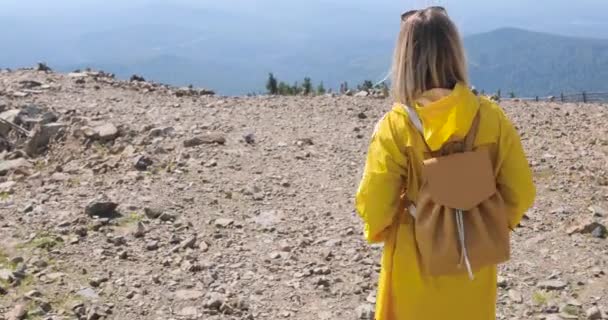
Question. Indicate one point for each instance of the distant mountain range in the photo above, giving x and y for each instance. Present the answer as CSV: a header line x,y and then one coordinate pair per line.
x,y
206,50
531,63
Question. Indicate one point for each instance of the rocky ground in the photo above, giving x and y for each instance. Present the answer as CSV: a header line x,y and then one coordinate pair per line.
x,y
132,200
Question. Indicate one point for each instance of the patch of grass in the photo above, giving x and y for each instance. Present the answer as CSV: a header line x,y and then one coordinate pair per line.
x,y
65,301
132,218
39,165
73,182
43,240
571,310
544,173
541,298
5,262
101,149
170,166
4,196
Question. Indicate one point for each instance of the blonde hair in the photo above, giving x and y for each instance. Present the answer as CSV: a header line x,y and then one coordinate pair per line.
x,y
429,54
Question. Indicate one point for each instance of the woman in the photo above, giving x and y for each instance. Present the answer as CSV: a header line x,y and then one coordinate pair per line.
x,y
429,75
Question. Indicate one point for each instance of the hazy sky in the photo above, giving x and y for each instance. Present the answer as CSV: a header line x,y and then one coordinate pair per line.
x,y
580,17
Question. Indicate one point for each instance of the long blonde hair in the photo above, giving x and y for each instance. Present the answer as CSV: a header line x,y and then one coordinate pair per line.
x,y
429,54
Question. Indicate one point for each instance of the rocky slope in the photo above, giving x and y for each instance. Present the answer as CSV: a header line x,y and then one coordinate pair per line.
x,y
132,200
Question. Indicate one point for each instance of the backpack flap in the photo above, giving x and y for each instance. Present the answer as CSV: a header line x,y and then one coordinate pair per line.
x,y
460,180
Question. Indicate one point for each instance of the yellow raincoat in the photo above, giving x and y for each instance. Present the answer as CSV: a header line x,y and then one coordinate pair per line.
x,y
394,163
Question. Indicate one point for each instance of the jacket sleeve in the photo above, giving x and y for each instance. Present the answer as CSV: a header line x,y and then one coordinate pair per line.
x,y
377,198
514,177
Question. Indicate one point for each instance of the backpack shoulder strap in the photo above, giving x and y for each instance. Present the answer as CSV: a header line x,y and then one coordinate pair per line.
x,y
469,140
414,118
417,123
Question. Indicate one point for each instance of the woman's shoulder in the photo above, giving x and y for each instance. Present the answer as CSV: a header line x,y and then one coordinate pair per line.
x,y
393,123
492,111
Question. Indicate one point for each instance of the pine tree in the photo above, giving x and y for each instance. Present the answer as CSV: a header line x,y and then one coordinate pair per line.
x,y
367,85
321,89
295,89
307,86
271,84
284,89
512,95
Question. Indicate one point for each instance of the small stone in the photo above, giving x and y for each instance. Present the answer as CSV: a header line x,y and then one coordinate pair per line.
x,y
152,245
249,138
166,216
7,187
598,211
101,207
211,138
365,312
18,312
590,227
88,293
33,294
502,282
371,297
215,301
594,313
188,243
142,163
188,312
223,223
6,275
123,255
153,213
140,230
600,232
515,296
188,294
14,165
103,132
552,285
362,116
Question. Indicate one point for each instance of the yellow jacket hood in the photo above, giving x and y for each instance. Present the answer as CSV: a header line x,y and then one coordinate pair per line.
x,y
445,114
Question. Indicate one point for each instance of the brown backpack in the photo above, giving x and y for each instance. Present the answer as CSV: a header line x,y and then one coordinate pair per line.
x,y
460,218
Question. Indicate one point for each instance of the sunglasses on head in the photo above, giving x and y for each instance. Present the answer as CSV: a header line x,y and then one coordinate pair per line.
x,y
408,14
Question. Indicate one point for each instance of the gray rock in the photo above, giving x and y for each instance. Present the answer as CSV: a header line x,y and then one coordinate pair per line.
x,y
8,186
10,116
153,213
188,312
140,230
6,275
188,294
598,211
365,312
249,138
210,138
600,232
142,162
188,243
589,227
223,223
552,285
18,312
101,207
152,245
88,293
516,296
41,137
14,165
594,313
103,132
215,301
